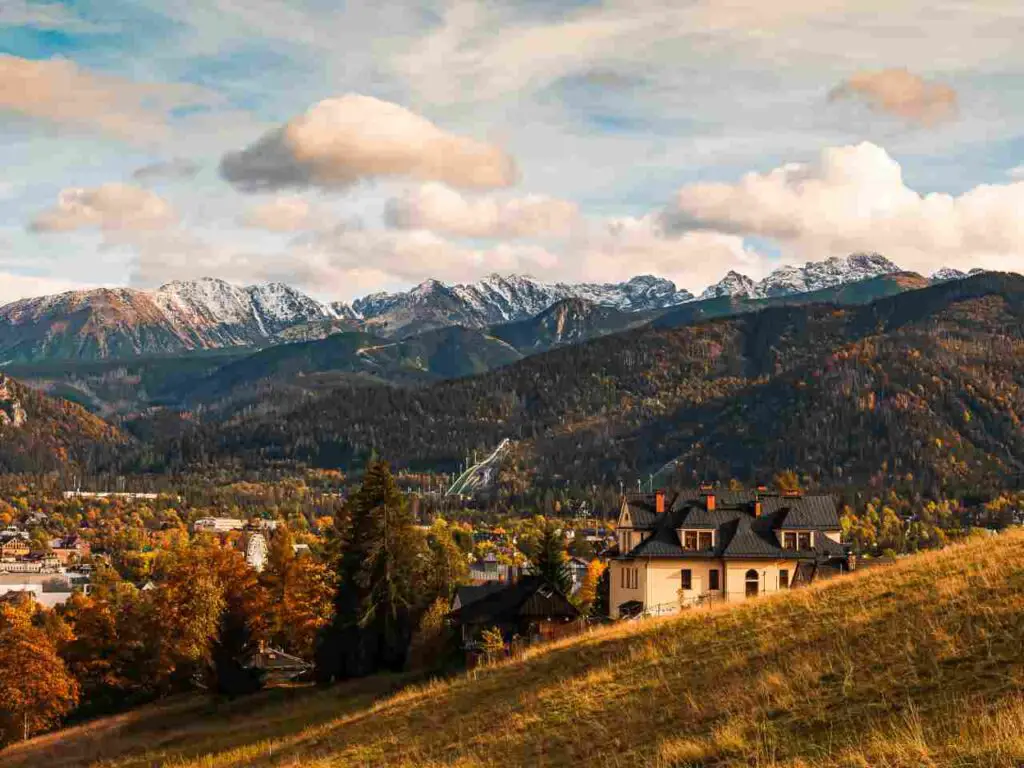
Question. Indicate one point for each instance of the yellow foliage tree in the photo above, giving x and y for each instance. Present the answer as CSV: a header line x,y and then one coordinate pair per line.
x,y
587,594
36,689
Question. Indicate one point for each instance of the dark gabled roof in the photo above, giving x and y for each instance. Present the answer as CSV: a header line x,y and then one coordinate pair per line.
x,y
531,597
470,594
642,515
807,512
739,532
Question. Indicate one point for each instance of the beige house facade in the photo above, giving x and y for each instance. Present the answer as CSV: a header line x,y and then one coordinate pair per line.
x,y
700,547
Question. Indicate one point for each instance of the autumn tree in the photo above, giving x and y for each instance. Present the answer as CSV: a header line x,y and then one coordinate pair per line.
x,y
241,626
587,596
182,615
492,643
787,480
433,644
277,579
36,688
448,566
307,606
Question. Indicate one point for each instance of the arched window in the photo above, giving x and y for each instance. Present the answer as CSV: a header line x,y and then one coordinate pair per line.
x,y
753,583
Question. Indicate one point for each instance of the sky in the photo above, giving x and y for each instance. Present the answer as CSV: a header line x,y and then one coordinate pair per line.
x,y
350,147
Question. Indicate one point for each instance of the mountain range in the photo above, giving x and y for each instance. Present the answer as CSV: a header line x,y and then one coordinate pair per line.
x,y
887,381
922,388
207,314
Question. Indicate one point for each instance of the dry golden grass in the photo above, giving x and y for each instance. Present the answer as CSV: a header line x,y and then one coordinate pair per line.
x,y
921,664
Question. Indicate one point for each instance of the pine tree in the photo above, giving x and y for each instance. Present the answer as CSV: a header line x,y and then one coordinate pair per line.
x,y
551,560
377,600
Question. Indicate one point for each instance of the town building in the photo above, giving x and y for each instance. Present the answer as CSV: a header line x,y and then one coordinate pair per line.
x,y
696,547
37,563
14,543
47,589
218,524
69,549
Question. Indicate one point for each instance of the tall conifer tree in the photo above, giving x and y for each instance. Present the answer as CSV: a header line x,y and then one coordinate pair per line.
x,y
551,560
377,600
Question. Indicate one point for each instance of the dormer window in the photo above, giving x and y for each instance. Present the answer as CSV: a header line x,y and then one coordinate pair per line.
x,y
798,540
697,540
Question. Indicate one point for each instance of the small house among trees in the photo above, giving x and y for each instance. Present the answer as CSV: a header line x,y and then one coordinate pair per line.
x,y
531,609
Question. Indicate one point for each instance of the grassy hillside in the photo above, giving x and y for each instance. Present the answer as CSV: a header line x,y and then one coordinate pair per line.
x,y
918,664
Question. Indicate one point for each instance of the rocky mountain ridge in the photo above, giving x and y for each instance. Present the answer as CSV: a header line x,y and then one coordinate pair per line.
x,y
812,276
207,314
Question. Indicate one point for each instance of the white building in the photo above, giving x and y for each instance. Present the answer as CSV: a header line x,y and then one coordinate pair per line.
x,y
218,524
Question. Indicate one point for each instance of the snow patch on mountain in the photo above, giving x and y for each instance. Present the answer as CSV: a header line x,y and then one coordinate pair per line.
x,y
812,276
505,298
733,284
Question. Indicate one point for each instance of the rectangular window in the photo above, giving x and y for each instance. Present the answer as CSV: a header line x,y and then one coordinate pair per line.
x,y
804,541
636,578
789,540
783,579
713,578
622,578
706,540
690,540
687,578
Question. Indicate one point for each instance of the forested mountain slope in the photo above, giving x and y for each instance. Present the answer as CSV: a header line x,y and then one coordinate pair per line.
x,y
928,384
40,433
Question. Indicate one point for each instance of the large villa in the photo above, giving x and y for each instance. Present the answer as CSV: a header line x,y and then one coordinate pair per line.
x,y
695,547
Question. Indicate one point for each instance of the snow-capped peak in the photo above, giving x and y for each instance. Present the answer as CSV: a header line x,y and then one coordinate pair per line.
x,y
812,276
945,274
733,284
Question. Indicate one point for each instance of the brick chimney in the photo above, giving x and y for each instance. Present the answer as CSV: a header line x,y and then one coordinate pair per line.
x,y
659,501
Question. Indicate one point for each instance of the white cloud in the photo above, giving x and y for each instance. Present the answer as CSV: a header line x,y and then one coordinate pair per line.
x,y
1016,173
340,141
629,246
441,209
63,93
337,264
108,207
853,199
